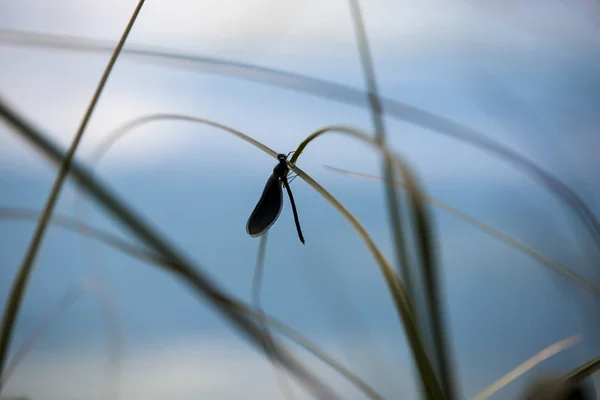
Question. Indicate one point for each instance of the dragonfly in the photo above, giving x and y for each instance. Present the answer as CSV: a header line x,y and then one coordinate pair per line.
x,y
269,205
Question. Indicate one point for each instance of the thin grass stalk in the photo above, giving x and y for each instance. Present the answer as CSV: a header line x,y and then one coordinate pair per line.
x,y
183,268
270,350
111,138
583,371
333,91
438,347
431,276
144,255
19,285
527,365
403,302
555,266
373,99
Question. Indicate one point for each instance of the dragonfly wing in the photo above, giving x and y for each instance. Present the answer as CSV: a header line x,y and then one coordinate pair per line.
x,y
267,209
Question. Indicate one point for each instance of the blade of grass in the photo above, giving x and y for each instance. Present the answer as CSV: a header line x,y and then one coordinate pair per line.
x,y
583,371
181,267
19,285
393,201
424,231
555,266
112,137
148,256
333,91
401,299
430,322
528,365
83,229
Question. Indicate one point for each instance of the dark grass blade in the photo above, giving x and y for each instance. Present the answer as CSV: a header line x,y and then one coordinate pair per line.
x,y
267,209
21,279
296,220
429,323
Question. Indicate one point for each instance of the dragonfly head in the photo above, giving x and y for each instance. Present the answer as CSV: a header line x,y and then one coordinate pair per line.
x,y
281,157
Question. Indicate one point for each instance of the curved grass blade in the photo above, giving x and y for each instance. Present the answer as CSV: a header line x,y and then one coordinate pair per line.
x,y
145,255
184,269
267,209
548,352
333,91
555,266
416,330
401,300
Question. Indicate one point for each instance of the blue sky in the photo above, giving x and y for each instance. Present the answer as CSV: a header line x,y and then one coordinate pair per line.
x,y
527,77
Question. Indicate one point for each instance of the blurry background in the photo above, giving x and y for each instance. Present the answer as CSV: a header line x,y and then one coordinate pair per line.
x,y
525,74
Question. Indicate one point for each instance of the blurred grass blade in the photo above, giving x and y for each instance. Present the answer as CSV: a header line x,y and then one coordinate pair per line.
x,y
121,131
583,371
148,256
555,266
528,365
430,380
64,303
333,91
180,266
19,285
408,272
401,299
427,308
68,298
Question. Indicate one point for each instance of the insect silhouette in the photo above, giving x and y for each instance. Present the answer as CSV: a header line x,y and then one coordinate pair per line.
x,y
269,205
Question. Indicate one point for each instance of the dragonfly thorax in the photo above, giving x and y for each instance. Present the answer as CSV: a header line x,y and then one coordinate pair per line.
x,y
281,169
